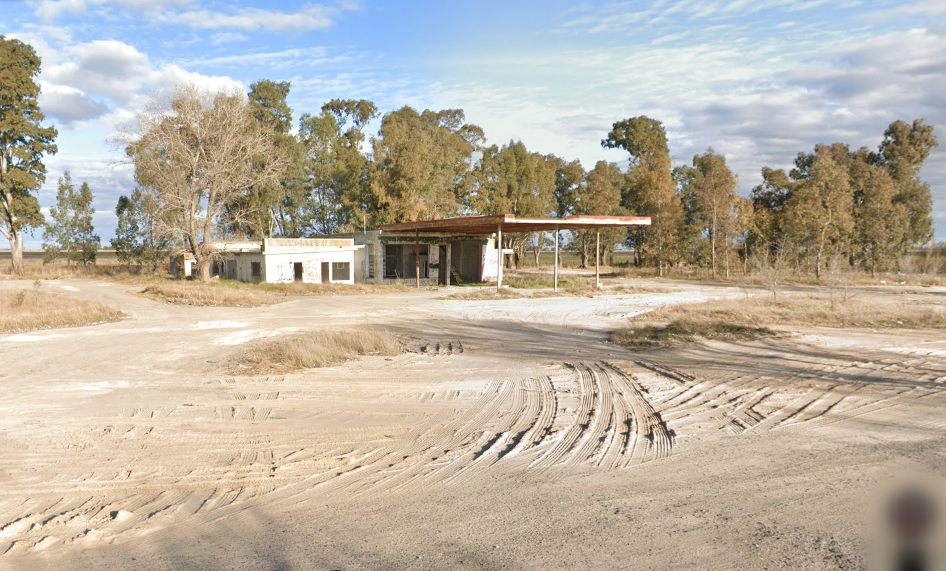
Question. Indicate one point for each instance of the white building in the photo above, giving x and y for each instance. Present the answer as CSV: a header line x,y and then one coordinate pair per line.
x,y
285,260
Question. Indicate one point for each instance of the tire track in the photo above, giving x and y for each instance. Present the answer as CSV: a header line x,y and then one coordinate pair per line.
x,y
650,438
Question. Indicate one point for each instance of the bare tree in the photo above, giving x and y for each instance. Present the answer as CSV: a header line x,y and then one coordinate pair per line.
x,y
201,156
771,262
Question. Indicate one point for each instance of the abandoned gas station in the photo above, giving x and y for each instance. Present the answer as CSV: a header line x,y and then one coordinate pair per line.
x,y
440,251
424,252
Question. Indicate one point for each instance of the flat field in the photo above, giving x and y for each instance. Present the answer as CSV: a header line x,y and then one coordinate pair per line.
x,y
510,434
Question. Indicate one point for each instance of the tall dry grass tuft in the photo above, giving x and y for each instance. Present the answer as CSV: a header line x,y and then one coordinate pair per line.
x,y
653,336
27,310
298,288
743,319
209,294
822,311
232,293
486,294
312,350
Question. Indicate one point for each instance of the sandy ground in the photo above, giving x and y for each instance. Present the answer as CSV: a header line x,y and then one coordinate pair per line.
x,y
512,436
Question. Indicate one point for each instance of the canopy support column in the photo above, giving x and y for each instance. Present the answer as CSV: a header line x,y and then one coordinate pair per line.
x,y
555,264
499,256
447,265
597,259
417,258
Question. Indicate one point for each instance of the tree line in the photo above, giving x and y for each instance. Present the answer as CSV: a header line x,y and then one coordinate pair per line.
x,y
217,166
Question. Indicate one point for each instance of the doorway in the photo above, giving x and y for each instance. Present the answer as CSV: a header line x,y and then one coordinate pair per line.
x,y
297,270
326,276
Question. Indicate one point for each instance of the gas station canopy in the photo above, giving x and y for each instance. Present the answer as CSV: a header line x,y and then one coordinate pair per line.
x,y
487,225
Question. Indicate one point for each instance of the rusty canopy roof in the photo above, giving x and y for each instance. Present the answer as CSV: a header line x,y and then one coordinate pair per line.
x,y
486,225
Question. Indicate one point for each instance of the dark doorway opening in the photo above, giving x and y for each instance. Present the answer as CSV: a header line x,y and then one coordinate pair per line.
x,y
326,277
297,269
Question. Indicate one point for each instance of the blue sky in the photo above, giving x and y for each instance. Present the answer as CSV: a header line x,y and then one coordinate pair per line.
x,y
758,80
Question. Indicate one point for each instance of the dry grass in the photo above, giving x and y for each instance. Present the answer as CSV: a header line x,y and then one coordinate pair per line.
x,y
207,294
486,294
232,293
747,318
490,293
822,311
570,284
683,330
312,349
297,288
845,278
106,266
632,289
27,310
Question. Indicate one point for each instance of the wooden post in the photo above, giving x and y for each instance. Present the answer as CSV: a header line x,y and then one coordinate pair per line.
x,y
417,257
555,263
499,257
597,256
448,265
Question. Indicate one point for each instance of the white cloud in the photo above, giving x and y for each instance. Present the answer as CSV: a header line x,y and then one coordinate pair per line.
x,y
221,38
52,10
111,68
309,18
284,58
68,105
121,73
628,15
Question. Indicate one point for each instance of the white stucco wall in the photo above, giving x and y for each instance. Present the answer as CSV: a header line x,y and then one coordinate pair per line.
x,y
280,268
489,260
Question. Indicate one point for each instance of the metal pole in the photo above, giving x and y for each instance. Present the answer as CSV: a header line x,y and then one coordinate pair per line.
x,y
597,256
555,263
499,256
417,257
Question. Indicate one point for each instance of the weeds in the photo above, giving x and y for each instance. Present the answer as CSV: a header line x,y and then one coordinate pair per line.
x,y
683,330
201,294
232,293
27,310
822,311
312,350
487,293
752,317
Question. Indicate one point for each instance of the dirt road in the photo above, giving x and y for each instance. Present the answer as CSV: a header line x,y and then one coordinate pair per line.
x,y
512,436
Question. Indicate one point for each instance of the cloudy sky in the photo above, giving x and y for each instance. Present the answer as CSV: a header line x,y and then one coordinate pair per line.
x,y
758,80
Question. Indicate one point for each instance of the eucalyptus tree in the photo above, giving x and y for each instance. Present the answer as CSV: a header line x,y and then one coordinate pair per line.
x,y
903,152
513,180
272,206
768,202
569,181
881,223
69,231
599,196
335,169
137,238
649,188
421,164
23,143
819,215
717,207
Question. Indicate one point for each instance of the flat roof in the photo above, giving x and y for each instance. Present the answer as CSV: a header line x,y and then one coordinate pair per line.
x,y
486,225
